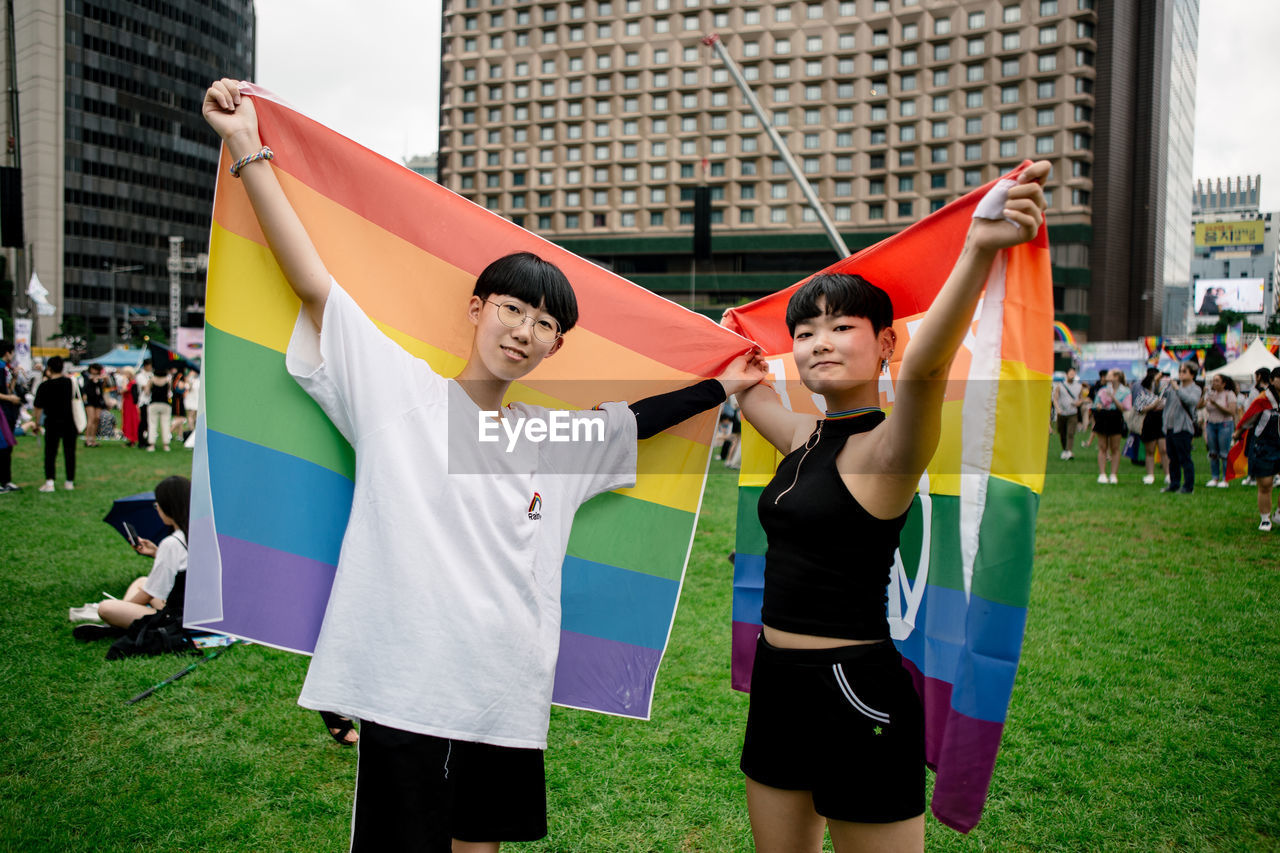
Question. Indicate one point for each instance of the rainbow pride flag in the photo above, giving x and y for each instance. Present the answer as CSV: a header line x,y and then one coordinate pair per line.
x,y
272,480
961,580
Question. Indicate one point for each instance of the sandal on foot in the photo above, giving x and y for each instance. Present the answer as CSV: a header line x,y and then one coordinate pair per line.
x,y
339,728
89,633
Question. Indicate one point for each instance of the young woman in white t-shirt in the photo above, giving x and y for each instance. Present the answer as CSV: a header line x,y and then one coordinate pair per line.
x,y
150,592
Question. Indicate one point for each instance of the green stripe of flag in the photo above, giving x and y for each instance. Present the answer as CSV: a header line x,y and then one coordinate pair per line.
x,y
1006,544
751,538
271,410
1002,571
634,534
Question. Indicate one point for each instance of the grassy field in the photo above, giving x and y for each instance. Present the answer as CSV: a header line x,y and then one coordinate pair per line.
x,y
1145,716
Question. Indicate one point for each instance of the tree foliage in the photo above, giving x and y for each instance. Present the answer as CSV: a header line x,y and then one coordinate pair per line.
x,y
75,335
1226,320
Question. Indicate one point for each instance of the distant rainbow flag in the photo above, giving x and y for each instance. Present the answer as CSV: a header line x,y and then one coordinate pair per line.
x,y
272,480
1062,333
961,582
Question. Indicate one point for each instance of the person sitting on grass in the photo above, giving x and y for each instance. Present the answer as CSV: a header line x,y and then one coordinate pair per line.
x,y
149,593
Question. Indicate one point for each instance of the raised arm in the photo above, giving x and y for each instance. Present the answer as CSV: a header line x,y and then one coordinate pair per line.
x,y
761,407
233,116
911,435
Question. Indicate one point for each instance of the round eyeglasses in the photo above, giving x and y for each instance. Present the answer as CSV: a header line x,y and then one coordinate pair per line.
x,y
512,315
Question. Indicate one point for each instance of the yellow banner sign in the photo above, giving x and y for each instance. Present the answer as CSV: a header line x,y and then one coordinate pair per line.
x,y
1247,233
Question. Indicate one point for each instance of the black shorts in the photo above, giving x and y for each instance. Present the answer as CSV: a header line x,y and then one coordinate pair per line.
x,y
1108,422
1265,461
1152,427
415,792
845,724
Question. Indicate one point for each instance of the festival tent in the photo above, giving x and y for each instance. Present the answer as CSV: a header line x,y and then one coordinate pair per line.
x,y
120,357
1241,370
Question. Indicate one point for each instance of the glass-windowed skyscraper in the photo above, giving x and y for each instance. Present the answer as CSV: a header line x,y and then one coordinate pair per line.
x,y
115,156
592,123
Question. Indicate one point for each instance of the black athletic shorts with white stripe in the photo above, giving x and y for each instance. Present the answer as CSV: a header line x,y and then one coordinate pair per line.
x,y
843,723
415,792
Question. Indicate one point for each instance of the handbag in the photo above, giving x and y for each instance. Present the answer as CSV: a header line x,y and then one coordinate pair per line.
x,y
1133,420
77,407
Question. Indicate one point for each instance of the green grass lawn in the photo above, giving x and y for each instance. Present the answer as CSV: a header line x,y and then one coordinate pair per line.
x,y
1145,715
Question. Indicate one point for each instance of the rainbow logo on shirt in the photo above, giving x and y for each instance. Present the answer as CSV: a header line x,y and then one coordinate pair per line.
x,y
534,506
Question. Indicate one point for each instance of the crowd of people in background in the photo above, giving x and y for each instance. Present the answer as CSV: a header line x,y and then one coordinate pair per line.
x,y
66,403
1159,416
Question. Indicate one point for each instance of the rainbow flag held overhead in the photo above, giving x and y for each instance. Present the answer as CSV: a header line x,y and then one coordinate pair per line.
x,y
272,480
961,580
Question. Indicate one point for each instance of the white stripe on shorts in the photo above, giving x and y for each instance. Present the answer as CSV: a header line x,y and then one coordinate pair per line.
x,y
843,683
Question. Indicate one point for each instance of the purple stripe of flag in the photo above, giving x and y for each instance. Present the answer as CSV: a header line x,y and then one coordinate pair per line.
x,y
272,596
605,675
744,654
964,745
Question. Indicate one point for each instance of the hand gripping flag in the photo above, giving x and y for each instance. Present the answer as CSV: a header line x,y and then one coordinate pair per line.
x,y
961,579
272,479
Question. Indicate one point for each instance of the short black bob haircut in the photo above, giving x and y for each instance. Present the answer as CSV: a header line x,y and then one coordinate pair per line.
x,y
530,279
844,296
173,494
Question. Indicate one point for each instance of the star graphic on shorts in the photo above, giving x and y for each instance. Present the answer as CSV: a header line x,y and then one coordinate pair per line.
x,y
879,731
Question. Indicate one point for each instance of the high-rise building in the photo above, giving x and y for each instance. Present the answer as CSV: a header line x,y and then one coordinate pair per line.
x,y
1184,37
423,164
1236,257
115,157
592,123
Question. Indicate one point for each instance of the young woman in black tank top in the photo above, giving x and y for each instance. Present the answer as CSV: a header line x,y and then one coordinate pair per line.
x,y
835,731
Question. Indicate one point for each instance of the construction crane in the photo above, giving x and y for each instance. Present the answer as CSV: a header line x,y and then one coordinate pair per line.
x,y
837,242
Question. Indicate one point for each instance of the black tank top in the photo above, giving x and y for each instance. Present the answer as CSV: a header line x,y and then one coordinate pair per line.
x,y
828,559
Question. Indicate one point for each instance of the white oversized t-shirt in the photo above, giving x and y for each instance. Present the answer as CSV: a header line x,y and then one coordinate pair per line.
x,y
444,618
171,558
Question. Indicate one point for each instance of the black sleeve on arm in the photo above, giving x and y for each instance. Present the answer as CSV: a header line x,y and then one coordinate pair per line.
x,y
663,411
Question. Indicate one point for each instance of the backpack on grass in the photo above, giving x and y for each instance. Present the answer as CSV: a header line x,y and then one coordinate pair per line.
x,y
157,633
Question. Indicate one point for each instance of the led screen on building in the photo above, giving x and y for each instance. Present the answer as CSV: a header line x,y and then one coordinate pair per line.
x,y
1215,295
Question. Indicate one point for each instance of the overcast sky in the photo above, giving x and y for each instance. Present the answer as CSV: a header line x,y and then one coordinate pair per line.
x,y
370,70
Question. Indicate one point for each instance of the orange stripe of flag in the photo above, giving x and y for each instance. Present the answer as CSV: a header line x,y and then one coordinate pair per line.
x,y
468,237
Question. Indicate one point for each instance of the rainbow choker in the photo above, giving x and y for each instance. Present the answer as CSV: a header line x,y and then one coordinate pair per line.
x,y
853,413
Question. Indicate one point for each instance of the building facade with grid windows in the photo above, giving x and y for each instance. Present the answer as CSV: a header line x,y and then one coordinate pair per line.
x,y
591,123
114,153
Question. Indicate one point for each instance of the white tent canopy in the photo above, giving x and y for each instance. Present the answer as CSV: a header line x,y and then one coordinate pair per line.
x,y
1241,370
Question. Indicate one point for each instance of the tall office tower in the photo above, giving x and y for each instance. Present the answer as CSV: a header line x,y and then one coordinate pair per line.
x,y
592,123
115,157
1145,111
1176,278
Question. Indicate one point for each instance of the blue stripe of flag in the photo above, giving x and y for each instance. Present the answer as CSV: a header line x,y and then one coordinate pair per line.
x,y
617,604
748,587
973,646
276,500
